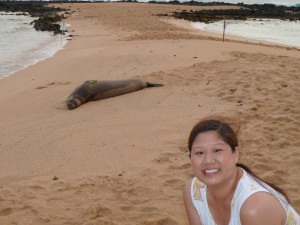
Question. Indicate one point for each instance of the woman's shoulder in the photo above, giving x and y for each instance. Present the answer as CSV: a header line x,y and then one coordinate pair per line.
x,y
187,188
192,213
194,183
194,190
262,208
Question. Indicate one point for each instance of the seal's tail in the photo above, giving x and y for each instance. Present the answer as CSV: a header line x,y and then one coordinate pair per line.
x,y
149,84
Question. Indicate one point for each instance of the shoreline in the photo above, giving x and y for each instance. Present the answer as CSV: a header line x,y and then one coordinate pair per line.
x,y
47,17
42,45
91,164
230,37
260,37
42,19
186,24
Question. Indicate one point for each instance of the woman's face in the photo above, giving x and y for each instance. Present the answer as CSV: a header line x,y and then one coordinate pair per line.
x,y
212,159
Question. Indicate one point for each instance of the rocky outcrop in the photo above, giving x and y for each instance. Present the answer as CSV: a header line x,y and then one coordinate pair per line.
x,y
48,17
267,11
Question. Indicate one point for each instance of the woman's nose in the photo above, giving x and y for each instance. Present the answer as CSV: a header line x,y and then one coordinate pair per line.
x,y
208,158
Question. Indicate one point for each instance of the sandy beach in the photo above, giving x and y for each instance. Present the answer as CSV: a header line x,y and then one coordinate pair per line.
x,y
124,160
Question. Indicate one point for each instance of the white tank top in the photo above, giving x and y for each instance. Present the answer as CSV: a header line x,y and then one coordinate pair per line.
x,y
247,186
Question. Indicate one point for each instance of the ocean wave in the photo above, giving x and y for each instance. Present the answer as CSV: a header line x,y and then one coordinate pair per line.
x,y
21,45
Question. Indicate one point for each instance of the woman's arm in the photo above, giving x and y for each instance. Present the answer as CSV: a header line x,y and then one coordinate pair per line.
x,y
262,208
191,212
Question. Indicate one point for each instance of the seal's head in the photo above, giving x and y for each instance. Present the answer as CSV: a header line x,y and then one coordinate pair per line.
x,y
73,102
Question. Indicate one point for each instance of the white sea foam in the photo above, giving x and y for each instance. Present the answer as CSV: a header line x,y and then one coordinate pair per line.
x,y
271,30
277,31
21,45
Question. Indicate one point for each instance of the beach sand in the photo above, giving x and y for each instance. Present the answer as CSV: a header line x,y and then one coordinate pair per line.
x,y
124,160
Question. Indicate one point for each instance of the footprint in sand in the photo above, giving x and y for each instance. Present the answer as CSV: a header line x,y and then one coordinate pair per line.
x,y
159,221
98,212
54,83
5,212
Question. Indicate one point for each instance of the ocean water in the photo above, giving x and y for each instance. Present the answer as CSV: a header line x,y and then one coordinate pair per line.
x,y
276,31
21,45
270,30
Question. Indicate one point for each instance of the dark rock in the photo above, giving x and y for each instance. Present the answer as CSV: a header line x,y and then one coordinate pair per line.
x,y
266,11
48,17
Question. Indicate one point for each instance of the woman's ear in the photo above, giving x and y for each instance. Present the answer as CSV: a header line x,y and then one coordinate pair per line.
x,y
236,154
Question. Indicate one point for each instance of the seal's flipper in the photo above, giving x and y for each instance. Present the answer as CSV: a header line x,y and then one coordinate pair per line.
x,y
149,84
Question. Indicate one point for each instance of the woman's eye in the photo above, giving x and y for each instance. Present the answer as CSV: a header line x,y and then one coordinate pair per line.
x,y
198,153
218,150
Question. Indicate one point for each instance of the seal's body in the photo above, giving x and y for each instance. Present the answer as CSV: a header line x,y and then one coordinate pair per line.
x,y
93,90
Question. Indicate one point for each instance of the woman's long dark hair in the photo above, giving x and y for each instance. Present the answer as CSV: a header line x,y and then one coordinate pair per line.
x,y
229,136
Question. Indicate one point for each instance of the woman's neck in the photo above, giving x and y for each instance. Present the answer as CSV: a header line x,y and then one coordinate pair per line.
x,y
224,192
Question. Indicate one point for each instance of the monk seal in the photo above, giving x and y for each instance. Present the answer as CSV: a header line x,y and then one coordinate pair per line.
x,y
92,90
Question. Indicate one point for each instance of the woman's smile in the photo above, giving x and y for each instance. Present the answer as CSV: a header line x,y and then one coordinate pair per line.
x,y
211,172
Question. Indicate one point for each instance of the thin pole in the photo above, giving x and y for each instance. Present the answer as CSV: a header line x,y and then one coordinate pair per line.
x,y
63,27
62,32
224,27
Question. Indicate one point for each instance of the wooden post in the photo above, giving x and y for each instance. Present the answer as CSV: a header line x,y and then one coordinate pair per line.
x,y
63,27
224,27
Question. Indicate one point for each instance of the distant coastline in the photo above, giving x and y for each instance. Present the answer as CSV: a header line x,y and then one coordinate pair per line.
x,y
245,11
49,16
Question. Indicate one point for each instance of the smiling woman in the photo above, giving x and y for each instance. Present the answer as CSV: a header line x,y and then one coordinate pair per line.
x,y
227,192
